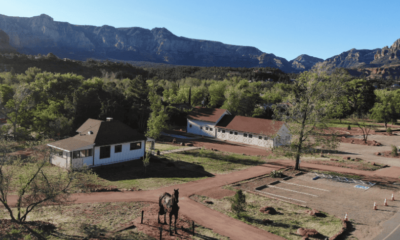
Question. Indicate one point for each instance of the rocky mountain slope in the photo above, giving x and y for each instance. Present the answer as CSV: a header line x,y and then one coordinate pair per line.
x,y
42,34
304,62
4,43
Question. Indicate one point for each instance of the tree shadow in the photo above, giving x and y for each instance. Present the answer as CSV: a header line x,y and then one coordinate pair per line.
x,y
159,168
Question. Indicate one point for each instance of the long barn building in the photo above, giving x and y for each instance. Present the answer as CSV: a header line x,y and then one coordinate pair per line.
x,y
221,124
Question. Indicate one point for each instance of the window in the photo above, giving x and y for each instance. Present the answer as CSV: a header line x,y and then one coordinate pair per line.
x,y
265,138
76,154
219,130
201,128
235,133
250,136
190,125
118,148
259,137
206,128
105,152
230,132
211,129
245,135
136,145
223,131
82,153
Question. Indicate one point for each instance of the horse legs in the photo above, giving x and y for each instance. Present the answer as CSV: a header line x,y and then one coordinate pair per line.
x,y
176,216
170,220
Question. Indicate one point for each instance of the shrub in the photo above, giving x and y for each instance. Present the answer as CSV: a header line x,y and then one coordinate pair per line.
x,y
394,151
389,130
238,203
348,127
276,174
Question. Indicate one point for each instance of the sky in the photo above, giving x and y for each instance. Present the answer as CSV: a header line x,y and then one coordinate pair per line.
x,y
319,28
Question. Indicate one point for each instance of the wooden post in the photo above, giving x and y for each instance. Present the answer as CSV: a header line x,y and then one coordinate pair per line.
x,y
161,233
142,217
193,227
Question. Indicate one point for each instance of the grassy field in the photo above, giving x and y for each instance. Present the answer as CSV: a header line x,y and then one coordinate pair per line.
x,y
289,218
216,162
162,147
344,123
186,167
93,220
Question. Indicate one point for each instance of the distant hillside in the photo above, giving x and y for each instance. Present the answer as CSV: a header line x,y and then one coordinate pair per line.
x,y
304,62
42,35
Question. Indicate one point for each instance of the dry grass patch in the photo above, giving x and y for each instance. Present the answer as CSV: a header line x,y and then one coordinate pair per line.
x,y
289,218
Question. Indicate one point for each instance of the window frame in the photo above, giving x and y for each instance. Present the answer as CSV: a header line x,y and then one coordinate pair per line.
x,y
101,155
138,144
118,146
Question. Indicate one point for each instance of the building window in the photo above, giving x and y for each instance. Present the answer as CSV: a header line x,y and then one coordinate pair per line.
x,y
201,128
190,125
245,135
82,153
230,132
223,131
259,137
118,148
105,152
250,136
265,138
219,130
136,145
206,128
211,129
235,133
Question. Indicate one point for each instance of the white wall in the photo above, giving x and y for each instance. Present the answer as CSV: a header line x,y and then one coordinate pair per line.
x,y
125,155
193,126
59,161
246,140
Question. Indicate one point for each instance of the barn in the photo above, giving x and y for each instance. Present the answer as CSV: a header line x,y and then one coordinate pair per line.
x,y
222,125
202,121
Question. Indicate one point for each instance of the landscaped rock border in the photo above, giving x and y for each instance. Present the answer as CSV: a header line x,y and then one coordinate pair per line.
x,y
339,234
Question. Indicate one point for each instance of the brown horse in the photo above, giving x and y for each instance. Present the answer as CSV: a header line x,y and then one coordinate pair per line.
x,y
169,205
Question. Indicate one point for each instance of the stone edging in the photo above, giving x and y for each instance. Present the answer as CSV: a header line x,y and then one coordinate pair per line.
x,y
341,232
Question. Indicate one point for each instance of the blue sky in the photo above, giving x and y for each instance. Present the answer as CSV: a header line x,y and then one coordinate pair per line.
x,y
320,28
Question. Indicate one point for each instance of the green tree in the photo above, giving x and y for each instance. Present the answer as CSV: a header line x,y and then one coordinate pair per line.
x,y
387,106
158,117
238,203
309,105
360,95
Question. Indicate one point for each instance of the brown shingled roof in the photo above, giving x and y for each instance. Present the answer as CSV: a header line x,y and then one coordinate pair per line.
x,y
206,114
252,125
102,133
88,124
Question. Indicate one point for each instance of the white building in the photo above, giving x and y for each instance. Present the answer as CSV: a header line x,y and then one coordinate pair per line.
x,y
253,131
98,143
220,124
202,121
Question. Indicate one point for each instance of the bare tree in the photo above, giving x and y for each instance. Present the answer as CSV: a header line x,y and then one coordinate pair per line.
x,y
34,183
364,125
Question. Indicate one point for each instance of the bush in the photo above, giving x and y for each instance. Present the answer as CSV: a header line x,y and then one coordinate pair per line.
x,y
394,151
389,130
238,203
276,174
348,127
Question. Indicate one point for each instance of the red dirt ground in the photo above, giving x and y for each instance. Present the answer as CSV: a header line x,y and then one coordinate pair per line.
x,y
388,154
151,226
216,193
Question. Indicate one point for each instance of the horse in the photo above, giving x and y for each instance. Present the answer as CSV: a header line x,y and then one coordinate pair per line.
x,y
169,205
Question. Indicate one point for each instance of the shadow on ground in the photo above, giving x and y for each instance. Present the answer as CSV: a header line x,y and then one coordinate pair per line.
x,y
159,168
